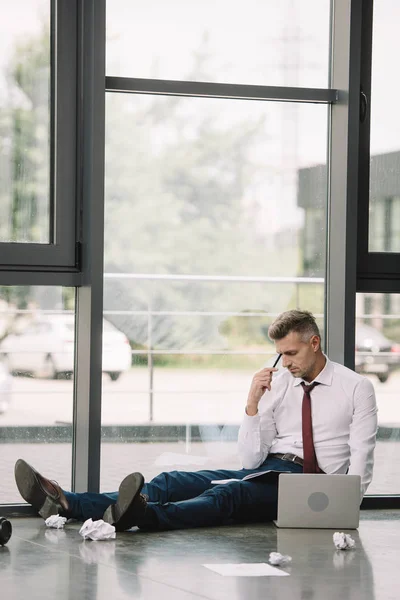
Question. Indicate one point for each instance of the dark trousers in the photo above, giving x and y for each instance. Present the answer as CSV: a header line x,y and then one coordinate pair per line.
x,y
181,499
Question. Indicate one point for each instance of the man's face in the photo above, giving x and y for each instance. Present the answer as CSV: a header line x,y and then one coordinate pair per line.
x,y
298,357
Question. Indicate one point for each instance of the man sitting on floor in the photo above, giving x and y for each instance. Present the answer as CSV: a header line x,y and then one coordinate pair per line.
x,y
279,432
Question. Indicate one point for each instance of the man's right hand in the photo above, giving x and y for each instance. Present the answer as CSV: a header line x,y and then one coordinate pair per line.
x,y
260,383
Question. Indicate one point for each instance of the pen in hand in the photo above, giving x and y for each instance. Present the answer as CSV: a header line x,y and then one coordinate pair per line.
x,y
261,382
273,368
276,361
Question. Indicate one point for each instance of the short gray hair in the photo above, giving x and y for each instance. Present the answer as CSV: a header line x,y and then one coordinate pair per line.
x,y
300,321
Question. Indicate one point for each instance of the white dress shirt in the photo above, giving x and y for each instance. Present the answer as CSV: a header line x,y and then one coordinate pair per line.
x,y
344,416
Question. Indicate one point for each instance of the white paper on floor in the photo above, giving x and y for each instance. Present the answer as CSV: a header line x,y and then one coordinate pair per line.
x,y
247,570
56,522
343,541
276,558
97,530
270,473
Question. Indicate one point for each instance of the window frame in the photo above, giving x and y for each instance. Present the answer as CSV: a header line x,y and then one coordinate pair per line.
x,y
61,253
376,271
350,267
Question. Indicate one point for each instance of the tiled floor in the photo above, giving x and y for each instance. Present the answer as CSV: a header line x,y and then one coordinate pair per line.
x,y
40,563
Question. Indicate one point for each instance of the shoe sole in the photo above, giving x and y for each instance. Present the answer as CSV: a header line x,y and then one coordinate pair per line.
x,y
118,514
29,487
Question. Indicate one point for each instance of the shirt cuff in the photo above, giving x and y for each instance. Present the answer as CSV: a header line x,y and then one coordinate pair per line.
x,y
251,421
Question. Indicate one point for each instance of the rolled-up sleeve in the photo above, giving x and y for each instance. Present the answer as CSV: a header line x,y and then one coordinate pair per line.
x,y
363,431
257,433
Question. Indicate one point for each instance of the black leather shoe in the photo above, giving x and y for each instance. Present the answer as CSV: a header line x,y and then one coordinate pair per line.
x,y
45,496
130,506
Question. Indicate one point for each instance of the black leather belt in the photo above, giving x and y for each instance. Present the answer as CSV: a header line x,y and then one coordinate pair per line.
x,y
290,457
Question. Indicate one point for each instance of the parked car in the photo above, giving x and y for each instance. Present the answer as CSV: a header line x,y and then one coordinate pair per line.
x,y
375,353
5,388
45,348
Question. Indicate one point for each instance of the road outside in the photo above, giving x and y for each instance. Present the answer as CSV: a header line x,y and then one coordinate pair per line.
x,y
180,396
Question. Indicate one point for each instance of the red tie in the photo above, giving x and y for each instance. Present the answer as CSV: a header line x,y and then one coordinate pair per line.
x,y
310,460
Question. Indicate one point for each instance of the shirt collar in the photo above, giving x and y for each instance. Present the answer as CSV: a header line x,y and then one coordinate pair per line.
x,y
325,376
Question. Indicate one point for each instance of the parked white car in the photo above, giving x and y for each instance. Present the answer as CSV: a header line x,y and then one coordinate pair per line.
x,y
45,348
5,388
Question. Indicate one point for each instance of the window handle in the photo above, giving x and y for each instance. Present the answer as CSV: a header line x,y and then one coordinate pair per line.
x,y
363,106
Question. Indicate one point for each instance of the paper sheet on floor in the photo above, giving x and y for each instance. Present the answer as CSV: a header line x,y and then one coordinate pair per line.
x,y
246,570
269,473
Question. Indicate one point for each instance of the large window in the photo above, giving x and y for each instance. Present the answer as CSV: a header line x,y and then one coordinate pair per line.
x,y
36,389
221,211
38,83
204,246
378,358
25,62
385,125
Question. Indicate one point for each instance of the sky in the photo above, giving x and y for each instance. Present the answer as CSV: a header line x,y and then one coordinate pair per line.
x,y
252,39
247,43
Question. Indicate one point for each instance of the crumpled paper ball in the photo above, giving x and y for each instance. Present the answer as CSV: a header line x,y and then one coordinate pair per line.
x,y
56,522
343,541
278,559
97,530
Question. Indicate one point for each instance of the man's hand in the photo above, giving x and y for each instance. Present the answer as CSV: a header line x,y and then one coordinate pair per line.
x,y
261,382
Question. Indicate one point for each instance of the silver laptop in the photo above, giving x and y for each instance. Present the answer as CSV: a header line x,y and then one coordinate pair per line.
x,y
318,501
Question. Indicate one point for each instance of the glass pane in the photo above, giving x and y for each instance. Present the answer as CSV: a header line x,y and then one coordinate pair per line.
x,y
385,125
207,239
279,42
25,121
206,186
378,357
36,389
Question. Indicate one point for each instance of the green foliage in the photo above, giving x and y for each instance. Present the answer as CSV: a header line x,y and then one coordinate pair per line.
x,y
246,331
29,118
24,151
177,202
179,177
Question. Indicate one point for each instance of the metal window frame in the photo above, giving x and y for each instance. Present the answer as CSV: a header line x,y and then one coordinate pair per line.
x,y
376,271
60,253
89,156
227,91
350,267
342,226
89,295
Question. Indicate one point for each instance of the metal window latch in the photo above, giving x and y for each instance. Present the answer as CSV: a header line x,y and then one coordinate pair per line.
x,y
78,255
363,106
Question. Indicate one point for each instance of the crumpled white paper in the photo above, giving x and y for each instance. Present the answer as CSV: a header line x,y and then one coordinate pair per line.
x,y
278,559
56,522
343,541
97,530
